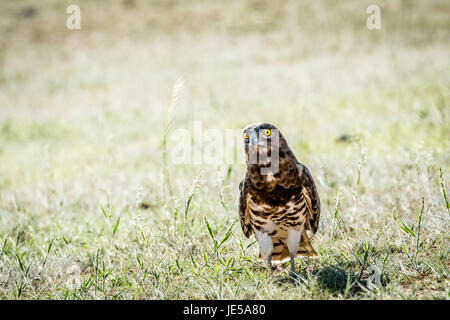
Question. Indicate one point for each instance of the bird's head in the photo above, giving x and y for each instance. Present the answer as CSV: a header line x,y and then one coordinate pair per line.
x,y
263,145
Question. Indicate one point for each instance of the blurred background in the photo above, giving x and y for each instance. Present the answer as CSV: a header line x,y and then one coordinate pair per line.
x,y
312,68
81,111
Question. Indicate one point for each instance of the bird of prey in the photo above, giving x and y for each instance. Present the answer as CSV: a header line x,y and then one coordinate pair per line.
x,y
278,198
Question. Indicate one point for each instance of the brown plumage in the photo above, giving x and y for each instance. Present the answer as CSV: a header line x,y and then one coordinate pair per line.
x,y
279,204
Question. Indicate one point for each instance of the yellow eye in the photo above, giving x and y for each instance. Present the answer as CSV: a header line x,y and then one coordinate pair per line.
x,y
267,132
245,136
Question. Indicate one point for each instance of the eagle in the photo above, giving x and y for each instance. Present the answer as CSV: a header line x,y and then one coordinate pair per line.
x,y
278,200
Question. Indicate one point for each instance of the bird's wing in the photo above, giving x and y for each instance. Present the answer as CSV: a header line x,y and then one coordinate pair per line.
x,y
244,218
311,196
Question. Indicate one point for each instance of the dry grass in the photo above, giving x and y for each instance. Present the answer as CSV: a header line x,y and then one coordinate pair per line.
x,y
81,144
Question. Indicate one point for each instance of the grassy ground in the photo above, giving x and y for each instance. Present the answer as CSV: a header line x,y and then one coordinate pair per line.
x,y
89,209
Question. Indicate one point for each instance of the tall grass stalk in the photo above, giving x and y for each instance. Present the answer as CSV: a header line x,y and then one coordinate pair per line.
x,y
167,123
189,196
444,191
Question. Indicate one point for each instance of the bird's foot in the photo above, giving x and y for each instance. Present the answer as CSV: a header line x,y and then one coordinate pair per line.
x,y
293,275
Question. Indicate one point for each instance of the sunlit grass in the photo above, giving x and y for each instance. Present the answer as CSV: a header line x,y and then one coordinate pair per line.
x,y
91,208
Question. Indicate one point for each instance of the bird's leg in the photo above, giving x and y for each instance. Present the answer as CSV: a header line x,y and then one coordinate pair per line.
x,y
266,246
293,243
292,264
269,264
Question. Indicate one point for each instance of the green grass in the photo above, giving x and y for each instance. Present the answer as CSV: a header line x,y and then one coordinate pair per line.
x,y
90,208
